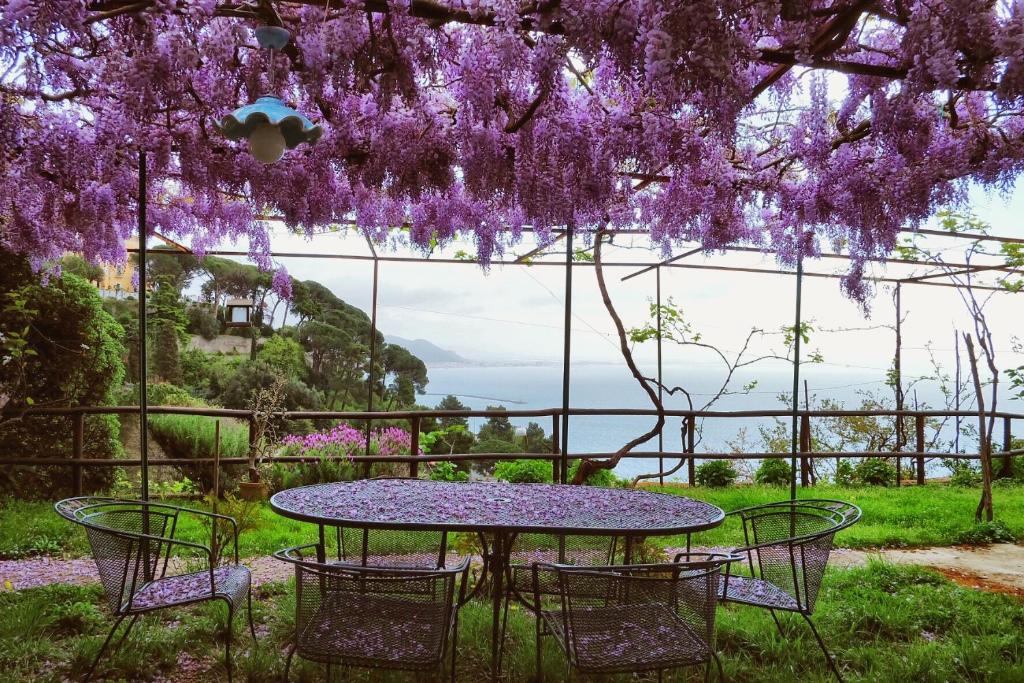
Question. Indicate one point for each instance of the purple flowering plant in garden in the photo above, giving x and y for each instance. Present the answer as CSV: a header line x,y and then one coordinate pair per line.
x,y
779,124
345,440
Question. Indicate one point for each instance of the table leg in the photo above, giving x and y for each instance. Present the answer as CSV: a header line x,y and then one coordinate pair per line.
x,y
499,555
321,548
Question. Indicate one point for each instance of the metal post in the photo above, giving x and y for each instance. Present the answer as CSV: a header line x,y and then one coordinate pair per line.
x,y
661,432
919,433
143,398
373,356
555,450
78,439
1007,468
414,446
566,355
898,388
691,447
805,448
956,387
795,442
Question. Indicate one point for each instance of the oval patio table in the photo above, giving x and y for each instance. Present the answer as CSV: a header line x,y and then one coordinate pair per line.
x,y
501,510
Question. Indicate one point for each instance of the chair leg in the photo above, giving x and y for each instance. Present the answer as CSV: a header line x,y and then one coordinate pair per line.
x,y
778,624
718,664
539,649
252,626
288,661
454,644
821,643
504,630
227,641
103,647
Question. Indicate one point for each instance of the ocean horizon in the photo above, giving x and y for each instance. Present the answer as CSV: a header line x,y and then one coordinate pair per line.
x,y
536,385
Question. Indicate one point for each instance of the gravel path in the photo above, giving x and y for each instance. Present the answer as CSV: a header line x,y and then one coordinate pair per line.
x,y
995,567
43,571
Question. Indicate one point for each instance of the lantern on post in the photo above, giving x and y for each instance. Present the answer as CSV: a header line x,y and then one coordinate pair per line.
x,y
239,313
269,124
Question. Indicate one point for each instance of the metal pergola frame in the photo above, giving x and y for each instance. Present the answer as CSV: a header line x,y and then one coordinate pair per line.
x,y
567,235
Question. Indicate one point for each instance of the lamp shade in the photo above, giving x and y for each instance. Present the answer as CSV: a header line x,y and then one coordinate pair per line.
x,y
269,111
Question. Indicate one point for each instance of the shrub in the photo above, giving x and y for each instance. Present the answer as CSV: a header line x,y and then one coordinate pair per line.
x,y
337,452
59,348
604,478
447,471
523,471
202,320
875,472
716,473
964,475
194,436
773,472
986,533
844,473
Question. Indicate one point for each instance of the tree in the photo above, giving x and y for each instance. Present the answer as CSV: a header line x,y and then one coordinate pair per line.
x,y
284,356
692,120
535,440
497,428
253,376
405,375
975,301
451,402
58,347
76,265
167,328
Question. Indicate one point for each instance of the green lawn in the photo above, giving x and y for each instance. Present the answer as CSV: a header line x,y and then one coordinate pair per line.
x,y
884,624
935,514
930,515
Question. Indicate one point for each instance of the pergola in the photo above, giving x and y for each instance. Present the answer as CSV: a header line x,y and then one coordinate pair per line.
x,y
536,257
621,79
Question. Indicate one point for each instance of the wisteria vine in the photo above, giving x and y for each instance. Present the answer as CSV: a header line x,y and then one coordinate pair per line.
x,y
783,123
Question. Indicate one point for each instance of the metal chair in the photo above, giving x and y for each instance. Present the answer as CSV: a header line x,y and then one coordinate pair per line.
x,y
563,549
787,545
394,548
632,618
132,543
374,617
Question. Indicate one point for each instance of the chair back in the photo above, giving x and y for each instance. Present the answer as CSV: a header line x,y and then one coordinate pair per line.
x,y
126,541
412,549
366,616
601,606
789,543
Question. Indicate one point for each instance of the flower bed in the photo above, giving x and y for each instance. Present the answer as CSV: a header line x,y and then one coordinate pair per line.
x,y
337,452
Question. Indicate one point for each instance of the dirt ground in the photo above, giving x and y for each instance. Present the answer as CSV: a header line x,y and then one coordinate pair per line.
x,y
998,567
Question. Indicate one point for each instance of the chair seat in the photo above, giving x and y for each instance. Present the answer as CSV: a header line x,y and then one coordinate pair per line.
x,y
375,630
758,592
636,637
231,583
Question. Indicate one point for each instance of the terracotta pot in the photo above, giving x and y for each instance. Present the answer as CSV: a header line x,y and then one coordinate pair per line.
x,y
252,490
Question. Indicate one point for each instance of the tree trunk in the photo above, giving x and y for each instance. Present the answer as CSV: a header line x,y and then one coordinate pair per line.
x,y
588,467
985,437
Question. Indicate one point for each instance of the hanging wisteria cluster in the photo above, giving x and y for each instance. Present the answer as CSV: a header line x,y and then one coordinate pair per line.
x,y
784,123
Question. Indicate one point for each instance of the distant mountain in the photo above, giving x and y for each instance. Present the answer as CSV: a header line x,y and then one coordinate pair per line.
x,y
426,351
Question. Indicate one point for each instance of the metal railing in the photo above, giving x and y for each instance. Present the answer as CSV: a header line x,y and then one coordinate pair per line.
x,y
559,461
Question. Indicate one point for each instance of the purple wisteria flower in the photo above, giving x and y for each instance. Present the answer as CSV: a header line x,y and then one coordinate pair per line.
x,y
483,505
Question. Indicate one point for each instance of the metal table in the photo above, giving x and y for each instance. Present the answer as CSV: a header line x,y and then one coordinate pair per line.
x,y
499,510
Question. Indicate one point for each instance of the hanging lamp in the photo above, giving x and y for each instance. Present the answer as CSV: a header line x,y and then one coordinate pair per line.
x,y
269,125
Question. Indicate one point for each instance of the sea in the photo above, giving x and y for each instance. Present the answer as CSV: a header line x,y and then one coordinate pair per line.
x,y
602,385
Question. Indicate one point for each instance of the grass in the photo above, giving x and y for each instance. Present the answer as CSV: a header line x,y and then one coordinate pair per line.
x,y
913,516
883,622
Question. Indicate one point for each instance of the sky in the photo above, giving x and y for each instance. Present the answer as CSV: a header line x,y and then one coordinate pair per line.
x,y
514,313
